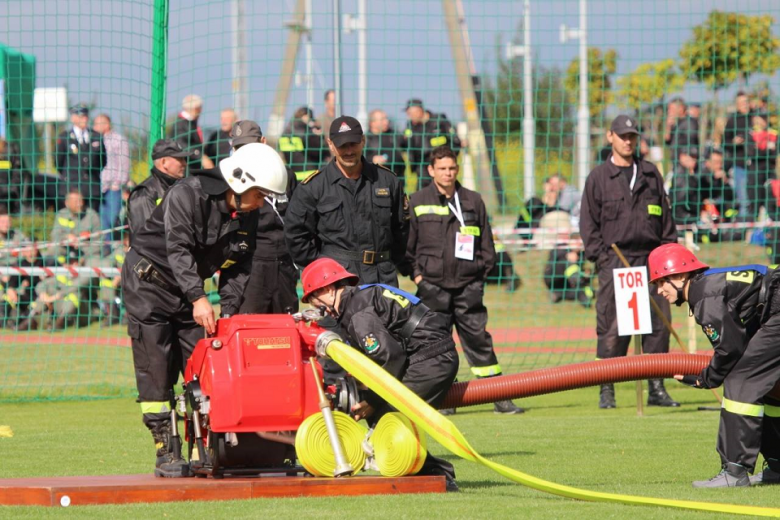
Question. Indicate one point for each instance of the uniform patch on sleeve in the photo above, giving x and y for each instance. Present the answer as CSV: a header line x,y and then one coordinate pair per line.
x,y
382,192
370,343
710,332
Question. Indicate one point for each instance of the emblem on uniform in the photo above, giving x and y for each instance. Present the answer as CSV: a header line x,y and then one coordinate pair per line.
x,y
370,343
74,148
239,131
710,332
344,127
629,123
382,192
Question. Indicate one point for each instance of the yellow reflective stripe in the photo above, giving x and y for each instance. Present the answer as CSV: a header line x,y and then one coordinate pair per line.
x,y
753,410
408,132
470,230
492,370
572,269
653,209
61,259
403,302
120,259
439,141
157,202
731,213
5,165
500,247
227,264
771,411
741,276
155,407
431,210
302,175
72,298
290,144
64,280
65,222
588,292
106,283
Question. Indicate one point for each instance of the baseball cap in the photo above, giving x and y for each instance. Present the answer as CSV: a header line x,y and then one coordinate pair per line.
x,y
414,102
80,109
345,130
245,132
168,148
622,125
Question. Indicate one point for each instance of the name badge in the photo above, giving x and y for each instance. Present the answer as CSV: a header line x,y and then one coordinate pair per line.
x,y
464,246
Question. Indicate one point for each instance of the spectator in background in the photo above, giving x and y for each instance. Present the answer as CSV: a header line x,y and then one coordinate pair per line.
x,y
189,135
763,152
10,176
682,129
218,146
716,186
302,144
80,158
558,196
75,227
115,174
685,194
736,139
565,278
383,145
10,238
425,131
327,117
17,293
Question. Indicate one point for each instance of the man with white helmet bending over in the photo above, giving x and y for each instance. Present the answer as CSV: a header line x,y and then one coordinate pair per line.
x,y
206,223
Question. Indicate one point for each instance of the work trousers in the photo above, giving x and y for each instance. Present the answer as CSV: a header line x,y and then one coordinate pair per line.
x,y
749,419
271,287
469,315
611,345
163,335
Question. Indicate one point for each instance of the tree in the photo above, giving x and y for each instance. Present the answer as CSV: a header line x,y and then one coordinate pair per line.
x,y
648,83
601,66
730,46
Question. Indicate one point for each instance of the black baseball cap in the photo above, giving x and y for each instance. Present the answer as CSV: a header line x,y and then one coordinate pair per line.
x,y
245,132
414,102
80,109
622,125
345,130
168,148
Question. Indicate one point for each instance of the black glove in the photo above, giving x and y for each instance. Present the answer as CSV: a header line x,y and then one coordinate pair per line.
x,y
693,381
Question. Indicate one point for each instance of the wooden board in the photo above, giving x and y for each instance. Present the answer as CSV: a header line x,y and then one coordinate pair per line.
x,y
130,489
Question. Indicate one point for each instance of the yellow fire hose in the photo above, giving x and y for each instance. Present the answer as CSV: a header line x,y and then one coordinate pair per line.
x,y
445,432
313,447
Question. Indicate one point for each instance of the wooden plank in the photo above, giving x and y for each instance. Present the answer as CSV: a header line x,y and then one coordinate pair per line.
x,y
129,489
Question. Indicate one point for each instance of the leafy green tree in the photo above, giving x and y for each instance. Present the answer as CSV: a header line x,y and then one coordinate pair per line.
x,y
729,46
601,67
648,83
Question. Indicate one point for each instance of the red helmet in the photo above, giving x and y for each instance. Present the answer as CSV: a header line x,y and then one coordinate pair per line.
x,y
671,259
321,273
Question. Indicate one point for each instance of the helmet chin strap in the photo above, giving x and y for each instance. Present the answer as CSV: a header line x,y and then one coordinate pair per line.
x,y
680,293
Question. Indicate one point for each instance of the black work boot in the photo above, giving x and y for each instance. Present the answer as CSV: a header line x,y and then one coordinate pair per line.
x,y
607,397
507,407
169,462
732,475
770,474
657,396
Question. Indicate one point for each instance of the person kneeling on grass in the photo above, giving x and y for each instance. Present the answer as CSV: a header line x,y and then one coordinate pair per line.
x,y
738,309
397,331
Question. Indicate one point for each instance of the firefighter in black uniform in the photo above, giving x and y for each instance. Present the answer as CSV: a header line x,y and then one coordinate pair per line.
x,y
351,210
206,222
451,252
170,165
565,278
302,144
424,132
397,331
624,204
80,157
272,285
738,309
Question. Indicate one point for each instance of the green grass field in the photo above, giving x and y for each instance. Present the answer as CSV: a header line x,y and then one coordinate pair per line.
x,y
563,437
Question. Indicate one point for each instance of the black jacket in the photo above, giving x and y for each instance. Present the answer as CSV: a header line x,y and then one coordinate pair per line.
x,y
686,195
81,162
330,212
431,246
684,136
145,197
719,191
372,319
193,234
187,135
738,125
218,146
637,221
303,150
725,302
270,228
421,138
387,144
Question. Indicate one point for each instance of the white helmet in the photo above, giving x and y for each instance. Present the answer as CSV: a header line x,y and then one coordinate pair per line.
x,y
255,165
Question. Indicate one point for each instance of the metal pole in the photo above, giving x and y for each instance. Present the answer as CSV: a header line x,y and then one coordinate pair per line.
x,y
362,112
279,106
159,73
309,63
639,397
337,57
583,113
240,101
529,125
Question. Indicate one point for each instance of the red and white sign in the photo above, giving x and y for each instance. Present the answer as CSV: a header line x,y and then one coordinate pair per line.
x,y
632,299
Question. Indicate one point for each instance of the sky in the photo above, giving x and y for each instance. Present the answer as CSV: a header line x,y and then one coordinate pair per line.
x,y
101,50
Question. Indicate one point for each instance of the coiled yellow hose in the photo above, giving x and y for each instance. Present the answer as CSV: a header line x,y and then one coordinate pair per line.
x,y
400,447
445,432
313,448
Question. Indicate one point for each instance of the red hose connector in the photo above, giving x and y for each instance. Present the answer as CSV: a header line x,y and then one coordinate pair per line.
x,y
568,377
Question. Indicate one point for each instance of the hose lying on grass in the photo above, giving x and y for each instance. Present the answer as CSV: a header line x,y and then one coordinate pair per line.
x,y
445,432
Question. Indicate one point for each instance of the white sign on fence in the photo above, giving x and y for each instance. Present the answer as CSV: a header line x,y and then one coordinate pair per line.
x,y
632,300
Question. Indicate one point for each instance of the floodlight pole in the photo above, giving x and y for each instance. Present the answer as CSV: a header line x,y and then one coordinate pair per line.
x,y
529,124
296,27
240,97
307,22
358,24
339,95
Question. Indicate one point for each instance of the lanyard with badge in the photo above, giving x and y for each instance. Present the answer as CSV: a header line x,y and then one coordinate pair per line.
x,y
633,177
464,243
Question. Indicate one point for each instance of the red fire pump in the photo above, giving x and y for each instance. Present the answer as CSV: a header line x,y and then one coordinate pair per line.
x,y
248,388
